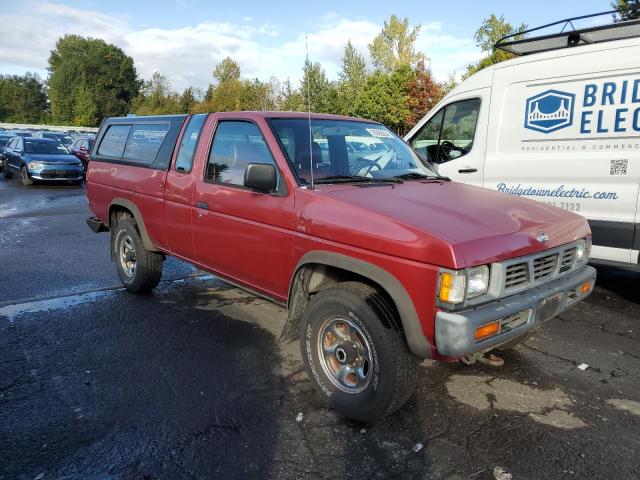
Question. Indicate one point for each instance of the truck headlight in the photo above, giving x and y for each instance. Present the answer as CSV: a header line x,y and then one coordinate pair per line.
x,y
583,251
477,281
452,286
35,165
458,286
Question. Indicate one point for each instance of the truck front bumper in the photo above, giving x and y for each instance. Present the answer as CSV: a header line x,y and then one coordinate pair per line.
x,y
455,332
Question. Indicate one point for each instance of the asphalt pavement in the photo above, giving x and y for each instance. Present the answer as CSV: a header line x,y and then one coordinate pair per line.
x,y
191,382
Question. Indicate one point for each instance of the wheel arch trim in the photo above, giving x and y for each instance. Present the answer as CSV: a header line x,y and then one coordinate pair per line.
x,y
415,338
135,211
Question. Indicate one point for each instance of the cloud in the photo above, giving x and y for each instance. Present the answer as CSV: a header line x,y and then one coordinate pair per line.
x,y
188,54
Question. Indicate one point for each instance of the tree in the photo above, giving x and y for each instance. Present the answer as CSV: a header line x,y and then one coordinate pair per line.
x,y
22,99
227,70
292,99
423,93
627,10
188,100
315,84
449,84
84,106
385,97
353,77
156,97
492,30
394,46
95,70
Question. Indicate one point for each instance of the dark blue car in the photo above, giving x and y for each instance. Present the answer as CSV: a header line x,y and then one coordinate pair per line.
x,y
41,159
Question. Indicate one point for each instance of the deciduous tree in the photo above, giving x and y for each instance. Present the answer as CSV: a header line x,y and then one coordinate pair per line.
x,y
22,99
423,92
95,70
493,29
394,46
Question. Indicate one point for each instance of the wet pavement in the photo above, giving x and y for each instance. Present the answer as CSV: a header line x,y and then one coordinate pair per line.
x,y
191,381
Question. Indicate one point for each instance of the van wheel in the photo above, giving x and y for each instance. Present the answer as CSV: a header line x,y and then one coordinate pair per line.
x,y
354,353
24,176
138,268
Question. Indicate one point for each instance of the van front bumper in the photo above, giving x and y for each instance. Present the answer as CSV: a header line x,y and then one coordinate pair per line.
x,y
455,331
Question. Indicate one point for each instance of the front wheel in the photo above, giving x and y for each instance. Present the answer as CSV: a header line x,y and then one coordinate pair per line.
x,y
355,353
6,172
139,269
24,176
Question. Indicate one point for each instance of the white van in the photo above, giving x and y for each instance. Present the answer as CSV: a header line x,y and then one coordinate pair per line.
x,y
559,125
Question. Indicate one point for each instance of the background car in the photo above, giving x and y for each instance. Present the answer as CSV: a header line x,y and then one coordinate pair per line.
x,y
41,159
60,137
21,133
4,140
81,148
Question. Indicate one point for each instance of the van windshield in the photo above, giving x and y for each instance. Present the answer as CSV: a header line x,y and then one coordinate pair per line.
x,y
344,150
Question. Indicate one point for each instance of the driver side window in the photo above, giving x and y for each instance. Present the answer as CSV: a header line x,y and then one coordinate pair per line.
x,y
449,134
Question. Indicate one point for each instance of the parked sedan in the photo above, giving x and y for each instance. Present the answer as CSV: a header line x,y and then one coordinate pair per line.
x,y
81,148
62,138
41,159
4,140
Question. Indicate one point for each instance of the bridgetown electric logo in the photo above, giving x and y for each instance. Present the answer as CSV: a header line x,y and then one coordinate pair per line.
x,y
549,111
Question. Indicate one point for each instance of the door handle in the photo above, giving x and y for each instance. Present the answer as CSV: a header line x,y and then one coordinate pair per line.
x,y
202,205
468,170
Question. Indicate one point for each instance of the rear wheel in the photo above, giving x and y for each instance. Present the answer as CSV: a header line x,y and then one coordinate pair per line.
x,y
24,176
354,352
139,269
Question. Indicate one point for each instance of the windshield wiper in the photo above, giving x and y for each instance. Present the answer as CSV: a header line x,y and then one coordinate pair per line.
x,y
421,176
355,178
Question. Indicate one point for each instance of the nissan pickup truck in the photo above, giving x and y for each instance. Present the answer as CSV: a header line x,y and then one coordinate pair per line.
x,y
380,261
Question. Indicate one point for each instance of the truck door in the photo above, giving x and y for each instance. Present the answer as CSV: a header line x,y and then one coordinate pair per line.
x,y
239,233
179,191
453,139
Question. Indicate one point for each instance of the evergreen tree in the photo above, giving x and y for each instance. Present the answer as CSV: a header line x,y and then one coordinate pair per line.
x,y
353,77
315,84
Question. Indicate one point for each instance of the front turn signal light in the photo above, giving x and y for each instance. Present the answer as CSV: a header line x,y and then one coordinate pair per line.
x,y
452,287
487,330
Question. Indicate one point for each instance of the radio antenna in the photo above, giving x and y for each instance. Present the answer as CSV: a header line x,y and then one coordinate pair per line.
x,y
308,65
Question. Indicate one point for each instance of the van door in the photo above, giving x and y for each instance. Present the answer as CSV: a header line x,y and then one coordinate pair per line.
x,y
453,139
567,135
243,235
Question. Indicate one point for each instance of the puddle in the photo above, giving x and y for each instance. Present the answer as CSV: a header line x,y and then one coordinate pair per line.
x,y
550,407
11,312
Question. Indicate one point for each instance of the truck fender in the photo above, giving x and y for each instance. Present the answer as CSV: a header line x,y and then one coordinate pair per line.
x,y
129,205
416,341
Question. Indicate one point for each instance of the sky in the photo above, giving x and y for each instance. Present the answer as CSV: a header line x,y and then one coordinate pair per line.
x,y
185,39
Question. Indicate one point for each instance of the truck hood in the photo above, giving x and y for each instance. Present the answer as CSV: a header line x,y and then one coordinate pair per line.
x,y
448,224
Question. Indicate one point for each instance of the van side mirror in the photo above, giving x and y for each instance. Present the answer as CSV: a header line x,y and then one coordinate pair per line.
x,y
261,177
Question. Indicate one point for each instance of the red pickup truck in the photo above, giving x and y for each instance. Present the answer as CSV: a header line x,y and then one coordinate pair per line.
x,y
380,261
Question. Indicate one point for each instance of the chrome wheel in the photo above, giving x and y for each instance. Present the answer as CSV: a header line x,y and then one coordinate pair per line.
x,y
127,256
345,354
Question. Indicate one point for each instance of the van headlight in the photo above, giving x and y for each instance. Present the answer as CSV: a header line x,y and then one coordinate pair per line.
x,y
583,250
456,286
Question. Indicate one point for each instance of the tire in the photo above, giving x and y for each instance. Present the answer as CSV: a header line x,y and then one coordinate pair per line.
x,y
24,177
6,173
139,269
348,321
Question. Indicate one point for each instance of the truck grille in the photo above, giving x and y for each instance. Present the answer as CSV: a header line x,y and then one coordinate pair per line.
x,y
535,269
517,274
544,267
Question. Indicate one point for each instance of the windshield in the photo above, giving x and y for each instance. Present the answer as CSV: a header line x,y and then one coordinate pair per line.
x,y
344,150
48,147
63,139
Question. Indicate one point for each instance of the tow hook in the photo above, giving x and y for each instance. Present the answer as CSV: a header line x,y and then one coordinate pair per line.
x,y
484,358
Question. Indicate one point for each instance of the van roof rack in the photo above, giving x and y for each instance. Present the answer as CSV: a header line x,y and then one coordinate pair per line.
x,y
568,36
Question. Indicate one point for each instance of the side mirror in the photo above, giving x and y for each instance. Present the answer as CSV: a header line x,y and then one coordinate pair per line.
x,y
261,177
